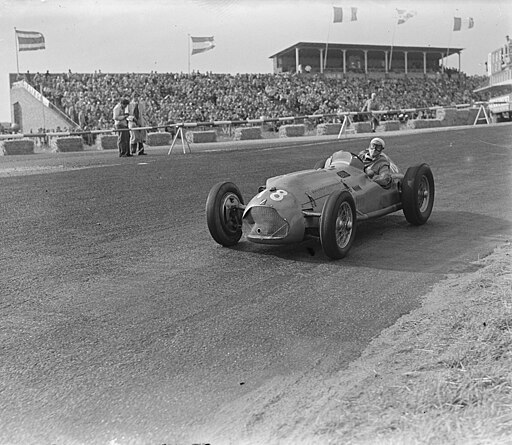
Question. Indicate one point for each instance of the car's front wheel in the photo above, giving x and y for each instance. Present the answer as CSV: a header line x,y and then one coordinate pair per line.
x,y
338,224
418,194
223,213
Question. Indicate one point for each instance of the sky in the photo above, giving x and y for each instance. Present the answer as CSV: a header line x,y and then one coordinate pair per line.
x,y
141,36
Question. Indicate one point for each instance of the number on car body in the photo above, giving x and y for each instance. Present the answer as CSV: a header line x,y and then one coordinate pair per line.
x,y
278,195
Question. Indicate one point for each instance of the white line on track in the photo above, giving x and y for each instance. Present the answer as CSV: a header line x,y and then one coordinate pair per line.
x,y
277,147
494,145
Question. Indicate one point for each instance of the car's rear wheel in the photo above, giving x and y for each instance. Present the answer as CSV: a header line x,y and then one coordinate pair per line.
x,y
338,224
418,194
223,213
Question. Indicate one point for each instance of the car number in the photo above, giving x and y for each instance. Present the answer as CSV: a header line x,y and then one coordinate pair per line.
x,y
278,195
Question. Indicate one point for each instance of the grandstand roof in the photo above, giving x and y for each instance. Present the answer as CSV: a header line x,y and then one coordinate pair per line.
x,y
362,47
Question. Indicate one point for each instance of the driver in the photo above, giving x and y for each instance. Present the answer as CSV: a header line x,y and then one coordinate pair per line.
x,y
377,165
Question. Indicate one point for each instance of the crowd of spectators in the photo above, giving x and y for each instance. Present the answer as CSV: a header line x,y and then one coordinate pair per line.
x,y
88,99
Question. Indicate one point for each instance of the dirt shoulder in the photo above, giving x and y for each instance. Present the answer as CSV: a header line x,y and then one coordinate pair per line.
x,y
441,374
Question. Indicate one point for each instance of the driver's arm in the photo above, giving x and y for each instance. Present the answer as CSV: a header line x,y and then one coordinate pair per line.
x,y
383,176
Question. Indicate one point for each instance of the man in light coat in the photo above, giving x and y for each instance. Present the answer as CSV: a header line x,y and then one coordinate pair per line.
x,y
137,118
369,106
121,124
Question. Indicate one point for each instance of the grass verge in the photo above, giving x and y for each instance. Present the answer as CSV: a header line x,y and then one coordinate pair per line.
x,y
441,375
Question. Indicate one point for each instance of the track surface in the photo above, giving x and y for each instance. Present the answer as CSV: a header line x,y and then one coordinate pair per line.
x,y
123,322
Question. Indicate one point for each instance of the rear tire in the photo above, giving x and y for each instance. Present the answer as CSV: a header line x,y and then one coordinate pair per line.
x,y
223,213
418,194
338,224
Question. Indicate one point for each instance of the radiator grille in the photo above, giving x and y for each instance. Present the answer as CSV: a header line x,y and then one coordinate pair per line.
x,y
265,222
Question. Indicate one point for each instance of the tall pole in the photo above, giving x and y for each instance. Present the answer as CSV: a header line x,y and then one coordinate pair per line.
x,y
392,44
326,47
188,38
445,65
16,43
449,42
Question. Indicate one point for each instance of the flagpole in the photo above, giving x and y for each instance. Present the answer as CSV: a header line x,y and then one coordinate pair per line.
x,y
392,44
327,46
16,44
448,48
188,39
450,39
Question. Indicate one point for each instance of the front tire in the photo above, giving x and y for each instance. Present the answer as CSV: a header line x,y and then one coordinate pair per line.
x,y
418,194
338,224
223,213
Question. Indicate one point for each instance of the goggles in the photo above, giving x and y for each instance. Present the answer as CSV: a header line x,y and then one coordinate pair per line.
x,y
377,146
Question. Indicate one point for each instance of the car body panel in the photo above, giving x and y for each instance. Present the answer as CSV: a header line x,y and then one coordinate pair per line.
x,y
291,204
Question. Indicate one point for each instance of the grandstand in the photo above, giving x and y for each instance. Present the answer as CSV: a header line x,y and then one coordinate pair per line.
x,y
410,78
337,59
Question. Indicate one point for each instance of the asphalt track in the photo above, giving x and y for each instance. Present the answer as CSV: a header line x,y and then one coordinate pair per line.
x,y
123,322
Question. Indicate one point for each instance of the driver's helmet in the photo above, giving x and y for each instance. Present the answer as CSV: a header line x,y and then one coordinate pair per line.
x,y
375,148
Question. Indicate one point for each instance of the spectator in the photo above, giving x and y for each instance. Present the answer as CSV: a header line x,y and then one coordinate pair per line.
x,y
216,97
121,124
137,118
369,106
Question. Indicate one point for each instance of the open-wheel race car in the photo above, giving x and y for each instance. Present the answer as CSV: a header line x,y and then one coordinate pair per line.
x,y
326,201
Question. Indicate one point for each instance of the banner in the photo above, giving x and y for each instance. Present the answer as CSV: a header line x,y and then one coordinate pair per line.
x,y
29,40
404,15
339,15
202,44
466,23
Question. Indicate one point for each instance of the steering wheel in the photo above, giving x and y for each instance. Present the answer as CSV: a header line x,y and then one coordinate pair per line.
x,y
356,156
362,162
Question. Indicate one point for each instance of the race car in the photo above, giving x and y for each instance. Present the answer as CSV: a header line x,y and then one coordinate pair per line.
x,y
326,202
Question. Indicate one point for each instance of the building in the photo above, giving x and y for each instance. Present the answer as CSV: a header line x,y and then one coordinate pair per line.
x,y
499,86
344,59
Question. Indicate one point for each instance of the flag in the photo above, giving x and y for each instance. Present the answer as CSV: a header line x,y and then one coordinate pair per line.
x,y
202,44
339,16
29,40
404,15
459,23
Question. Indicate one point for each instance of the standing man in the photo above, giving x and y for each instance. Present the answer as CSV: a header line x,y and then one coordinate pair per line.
x,y
369,106
137,118
121,124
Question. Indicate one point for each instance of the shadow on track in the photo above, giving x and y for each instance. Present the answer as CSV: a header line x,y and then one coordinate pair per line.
x,y
391,243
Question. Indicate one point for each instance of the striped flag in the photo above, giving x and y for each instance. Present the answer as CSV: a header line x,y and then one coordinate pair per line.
x,y
404,15
202,44
29,40
340,15
466,23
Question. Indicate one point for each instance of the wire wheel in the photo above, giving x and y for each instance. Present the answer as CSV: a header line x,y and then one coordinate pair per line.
x,y
224,213
229,205
344,225
338,224
418,194
423,194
